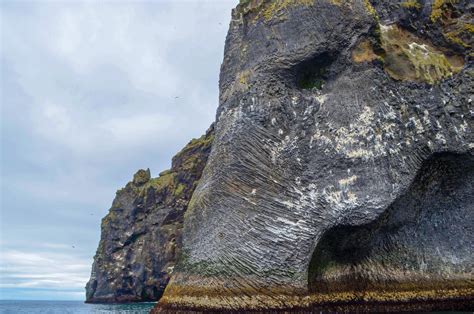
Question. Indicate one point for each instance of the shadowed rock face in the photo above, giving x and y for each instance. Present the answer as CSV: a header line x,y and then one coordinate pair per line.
x,y
424,235
341,170
141,235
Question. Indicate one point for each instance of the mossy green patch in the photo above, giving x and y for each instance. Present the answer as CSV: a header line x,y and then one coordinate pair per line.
x,y
202,142
407,57
459,32
165,172
270,9
178,191
411,4
276,6
456,39
371,10
242,79
337,2
142,176
162,181
456,25
190,162
439,7
469,27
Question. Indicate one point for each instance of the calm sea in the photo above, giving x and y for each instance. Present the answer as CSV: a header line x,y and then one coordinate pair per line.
x,y
66,307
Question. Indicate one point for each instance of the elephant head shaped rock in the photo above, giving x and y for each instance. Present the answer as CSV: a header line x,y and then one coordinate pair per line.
x,y
342,166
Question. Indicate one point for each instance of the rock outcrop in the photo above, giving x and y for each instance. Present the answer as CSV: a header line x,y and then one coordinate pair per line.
x,y
342,169
142,232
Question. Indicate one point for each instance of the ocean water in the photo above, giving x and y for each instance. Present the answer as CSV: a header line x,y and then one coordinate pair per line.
x,y
71,307
66,307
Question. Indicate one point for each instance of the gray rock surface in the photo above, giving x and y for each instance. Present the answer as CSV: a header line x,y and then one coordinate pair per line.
x,y
342,167
141,234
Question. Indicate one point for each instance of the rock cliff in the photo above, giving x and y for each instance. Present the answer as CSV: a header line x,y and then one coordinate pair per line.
x,y
342,169
141,234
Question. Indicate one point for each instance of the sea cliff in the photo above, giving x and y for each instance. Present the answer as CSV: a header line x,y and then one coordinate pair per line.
x,y
341,171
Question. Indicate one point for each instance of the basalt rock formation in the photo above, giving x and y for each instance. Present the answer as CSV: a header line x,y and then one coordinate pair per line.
x,y
342,168
142,232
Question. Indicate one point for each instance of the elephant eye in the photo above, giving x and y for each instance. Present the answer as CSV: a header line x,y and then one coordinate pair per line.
x,y
313,73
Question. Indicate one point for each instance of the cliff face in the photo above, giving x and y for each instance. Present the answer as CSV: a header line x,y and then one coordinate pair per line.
x,y
142,232
342,169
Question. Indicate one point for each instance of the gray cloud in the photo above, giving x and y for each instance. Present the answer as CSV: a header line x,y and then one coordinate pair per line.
x,y
88,97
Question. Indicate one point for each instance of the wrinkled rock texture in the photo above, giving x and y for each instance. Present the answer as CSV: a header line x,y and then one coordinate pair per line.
x,y
342,169
142,232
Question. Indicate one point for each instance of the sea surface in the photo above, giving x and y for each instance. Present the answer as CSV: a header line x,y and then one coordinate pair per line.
x,y
66,307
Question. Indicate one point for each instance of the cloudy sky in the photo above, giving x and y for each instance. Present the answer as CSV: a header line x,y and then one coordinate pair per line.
x,y
88,96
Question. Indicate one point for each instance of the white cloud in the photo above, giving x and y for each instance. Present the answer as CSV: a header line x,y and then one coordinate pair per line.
x,y
123,34
89,96
45,270
63,56
69,127
137,126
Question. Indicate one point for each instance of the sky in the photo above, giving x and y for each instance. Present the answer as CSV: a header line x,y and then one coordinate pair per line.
x,y
90,92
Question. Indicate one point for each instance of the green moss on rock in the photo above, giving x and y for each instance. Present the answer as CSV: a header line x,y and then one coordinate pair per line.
x,y
411,4
268,10
164,180
371,10
179,190
141,177
439,7
408,57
